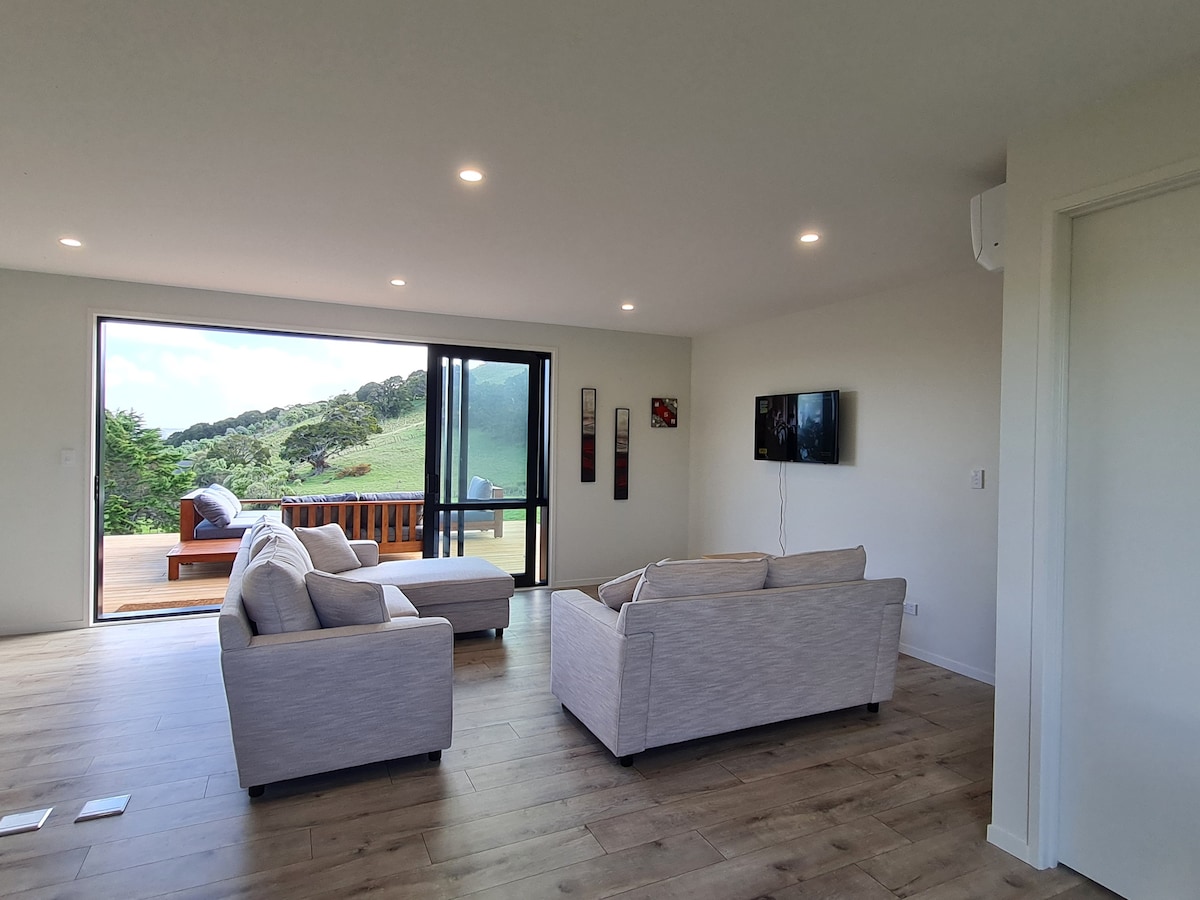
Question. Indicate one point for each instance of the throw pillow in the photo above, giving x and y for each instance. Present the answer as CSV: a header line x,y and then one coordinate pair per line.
x,y
693,577
273,589
329,548
819,567
339,601
619,591
215,507
479,489
228,495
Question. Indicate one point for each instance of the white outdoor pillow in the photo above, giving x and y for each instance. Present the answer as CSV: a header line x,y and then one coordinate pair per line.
x,y
228,495
339,601
819,567
329,548
619,591
691,577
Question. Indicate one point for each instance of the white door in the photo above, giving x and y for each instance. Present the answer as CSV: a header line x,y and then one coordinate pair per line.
x,y
1130,790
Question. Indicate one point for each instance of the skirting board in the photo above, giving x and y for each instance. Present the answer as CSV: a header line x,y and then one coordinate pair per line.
x,y
1013,846
952,664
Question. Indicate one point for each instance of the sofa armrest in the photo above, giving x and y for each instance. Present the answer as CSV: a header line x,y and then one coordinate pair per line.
x,y
326,699
599,674
366,551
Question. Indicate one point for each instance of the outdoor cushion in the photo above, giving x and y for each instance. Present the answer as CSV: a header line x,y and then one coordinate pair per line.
x,y
273,589
207,531
819,567
228,495
339,601
619,591
479,489
329,548
323,498
691,577
215,506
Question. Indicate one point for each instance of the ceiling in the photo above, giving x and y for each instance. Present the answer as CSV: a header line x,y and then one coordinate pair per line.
x,y
662,152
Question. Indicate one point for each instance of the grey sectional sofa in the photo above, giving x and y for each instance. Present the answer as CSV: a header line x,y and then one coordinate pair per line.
x,y
695,648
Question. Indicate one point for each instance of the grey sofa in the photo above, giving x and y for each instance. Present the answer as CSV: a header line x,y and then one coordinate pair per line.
x,y
660,669
318,699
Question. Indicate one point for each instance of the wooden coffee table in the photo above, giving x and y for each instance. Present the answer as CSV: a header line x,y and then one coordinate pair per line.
x,y
223,550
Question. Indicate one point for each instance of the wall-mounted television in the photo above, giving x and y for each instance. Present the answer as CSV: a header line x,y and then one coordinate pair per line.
x,y
797,427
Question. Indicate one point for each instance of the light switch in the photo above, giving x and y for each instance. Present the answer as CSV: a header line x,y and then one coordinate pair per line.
x,y
977,479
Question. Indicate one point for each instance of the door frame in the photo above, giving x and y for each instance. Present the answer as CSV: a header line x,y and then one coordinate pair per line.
x,y
536,502
1048,537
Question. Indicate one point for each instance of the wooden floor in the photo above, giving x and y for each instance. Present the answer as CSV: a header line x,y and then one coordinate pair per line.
x,y
135,570
525,804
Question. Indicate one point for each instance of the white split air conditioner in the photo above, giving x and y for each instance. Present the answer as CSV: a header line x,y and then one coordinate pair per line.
x,y
987,228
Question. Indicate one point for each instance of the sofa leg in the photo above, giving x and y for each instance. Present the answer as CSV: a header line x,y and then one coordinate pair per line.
x,y
256,790
435,755
872,707
499,632
626,761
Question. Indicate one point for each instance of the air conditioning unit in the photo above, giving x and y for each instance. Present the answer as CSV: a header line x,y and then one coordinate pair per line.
x,y
987,228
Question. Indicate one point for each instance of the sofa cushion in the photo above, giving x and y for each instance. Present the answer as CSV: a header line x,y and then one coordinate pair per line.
x,y
329,548
819,567
280,532
479,489
215,506
273,589
228,495
339,601
619,591
691,577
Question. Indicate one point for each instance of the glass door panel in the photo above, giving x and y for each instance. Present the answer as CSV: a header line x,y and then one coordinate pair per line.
x,y
486,485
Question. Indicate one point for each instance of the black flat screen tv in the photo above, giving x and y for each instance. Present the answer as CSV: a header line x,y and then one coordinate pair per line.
x,y
797,427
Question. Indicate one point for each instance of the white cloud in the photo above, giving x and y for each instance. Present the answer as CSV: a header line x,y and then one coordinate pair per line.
x,y
177,376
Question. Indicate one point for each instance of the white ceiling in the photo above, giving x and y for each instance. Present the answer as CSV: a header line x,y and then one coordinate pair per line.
x,y
662,151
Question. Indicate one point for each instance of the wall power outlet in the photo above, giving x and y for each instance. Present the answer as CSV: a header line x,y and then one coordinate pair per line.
x,y
910,609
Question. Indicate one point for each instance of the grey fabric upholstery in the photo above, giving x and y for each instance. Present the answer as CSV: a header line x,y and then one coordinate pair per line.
x,y
692,577
329,548
818,567
472,593
275,595
667,670
318,700
620,590
339,601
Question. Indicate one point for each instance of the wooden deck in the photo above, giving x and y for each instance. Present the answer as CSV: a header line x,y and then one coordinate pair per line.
x,y
135,571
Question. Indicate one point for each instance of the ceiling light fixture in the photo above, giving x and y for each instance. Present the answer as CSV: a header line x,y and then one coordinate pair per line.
x,y
398,282
809,237
628,307
471,176
70,242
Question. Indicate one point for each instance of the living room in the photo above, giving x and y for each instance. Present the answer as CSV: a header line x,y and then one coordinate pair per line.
x,y
942,372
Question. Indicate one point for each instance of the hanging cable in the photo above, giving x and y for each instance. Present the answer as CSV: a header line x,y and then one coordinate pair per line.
x,y
782,512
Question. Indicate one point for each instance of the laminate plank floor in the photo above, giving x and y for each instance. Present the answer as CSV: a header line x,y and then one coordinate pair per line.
x,y
525,804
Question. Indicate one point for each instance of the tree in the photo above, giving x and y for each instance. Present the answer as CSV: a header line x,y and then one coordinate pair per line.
x,y
241,449
346,424
143,480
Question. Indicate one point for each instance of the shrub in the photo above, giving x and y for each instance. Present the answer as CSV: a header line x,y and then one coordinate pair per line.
x,y
354,471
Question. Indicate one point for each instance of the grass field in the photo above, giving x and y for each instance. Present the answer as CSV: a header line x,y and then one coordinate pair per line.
x,y
397,460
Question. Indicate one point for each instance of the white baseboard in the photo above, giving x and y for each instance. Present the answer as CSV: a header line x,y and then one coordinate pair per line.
x,y
1012,845
952,664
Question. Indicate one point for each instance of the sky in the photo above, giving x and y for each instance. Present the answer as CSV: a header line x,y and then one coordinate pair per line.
x,y
176,376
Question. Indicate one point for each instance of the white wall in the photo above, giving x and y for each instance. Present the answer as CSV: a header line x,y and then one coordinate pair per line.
x,y
1133,140
46,366
919,372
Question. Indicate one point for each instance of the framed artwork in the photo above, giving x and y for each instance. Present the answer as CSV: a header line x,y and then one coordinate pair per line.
x,y
621,446
664,412
587,454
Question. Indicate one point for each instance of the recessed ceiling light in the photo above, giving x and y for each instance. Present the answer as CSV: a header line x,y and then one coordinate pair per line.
x,y
70,242
398,282
472,176
628,307
809,237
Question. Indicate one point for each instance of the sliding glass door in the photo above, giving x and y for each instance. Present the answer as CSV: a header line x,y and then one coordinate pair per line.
x,y
486,490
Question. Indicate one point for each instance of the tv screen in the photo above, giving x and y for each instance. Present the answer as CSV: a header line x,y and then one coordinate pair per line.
x,y
797,427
